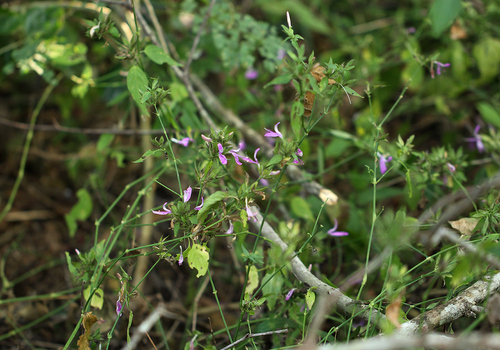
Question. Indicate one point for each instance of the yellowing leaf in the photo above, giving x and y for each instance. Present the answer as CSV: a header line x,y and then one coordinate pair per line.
x,y
310,298
97,299
253,280
197,257
465,225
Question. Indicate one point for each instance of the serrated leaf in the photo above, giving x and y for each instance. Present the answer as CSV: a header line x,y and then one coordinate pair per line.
x,y
158,56
210,203
197,256
282,79
137,80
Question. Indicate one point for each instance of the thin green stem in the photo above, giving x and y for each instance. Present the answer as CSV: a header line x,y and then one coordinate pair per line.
x,y
27,143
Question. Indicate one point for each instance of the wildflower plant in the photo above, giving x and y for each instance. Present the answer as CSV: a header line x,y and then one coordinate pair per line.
x,y
242,209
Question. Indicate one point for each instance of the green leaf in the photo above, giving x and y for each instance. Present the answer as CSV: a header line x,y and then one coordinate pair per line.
x,y
297,112
97,299
178,92
71,267
352,92
105,141
343,135
487,55
253,280
275,160
209,205
301,208
272,289
489,114
442,15
80,211
158,56
146,154
282,79
310,298
197,256
137,80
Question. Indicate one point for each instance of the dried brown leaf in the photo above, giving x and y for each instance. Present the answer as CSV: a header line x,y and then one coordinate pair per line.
x,y
465,225
87,322
392,312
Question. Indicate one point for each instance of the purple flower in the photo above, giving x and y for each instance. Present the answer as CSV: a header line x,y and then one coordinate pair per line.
x,y
251,74
187,194
299,153
181,257
274,172
164,212
200,206
231,228
477,139
255,161
439,65
281,54
222,157
264,182
275,133
411,30
205,138
235,154
119,307
251,214
184,142
383,162
451,167
333,231
289,294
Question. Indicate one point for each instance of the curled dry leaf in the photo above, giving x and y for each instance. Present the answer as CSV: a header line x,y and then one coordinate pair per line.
x,y
328,196
465,225
318,73
88,321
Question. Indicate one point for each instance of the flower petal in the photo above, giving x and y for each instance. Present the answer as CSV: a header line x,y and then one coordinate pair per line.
x,y
187,194
200,206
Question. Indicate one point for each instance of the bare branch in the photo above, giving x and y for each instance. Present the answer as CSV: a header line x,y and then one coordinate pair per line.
x,y
431,340
146,325
340,300
250,335
88,131
198,36
465,304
